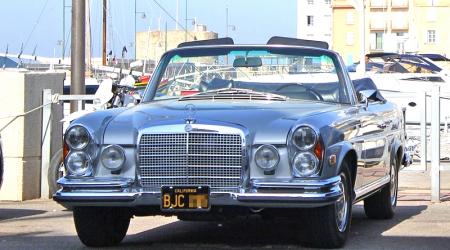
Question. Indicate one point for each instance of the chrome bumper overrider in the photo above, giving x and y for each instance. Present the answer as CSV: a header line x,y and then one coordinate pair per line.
x,y
121,192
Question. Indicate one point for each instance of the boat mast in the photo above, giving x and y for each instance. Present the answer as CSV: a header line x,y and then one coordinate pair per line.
x,y
104,33
88,38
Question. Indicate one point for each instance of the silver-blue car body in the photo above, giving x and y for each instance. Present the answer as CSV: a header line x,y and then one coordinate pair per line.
x,y
261,127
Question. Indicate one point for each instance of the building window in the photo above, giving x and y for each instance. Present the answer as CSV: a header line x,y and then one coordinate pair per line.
x,y
310,2
350,38
350,19
431,36
328,2
310,20
376,40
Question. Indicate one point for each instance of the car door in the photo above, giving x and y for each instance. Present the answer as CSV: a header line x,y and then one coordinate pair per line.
x,y
376,143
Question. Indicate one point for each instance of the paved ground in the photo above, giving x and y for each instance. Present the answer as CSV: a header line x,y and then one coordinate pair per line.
x,y
418,224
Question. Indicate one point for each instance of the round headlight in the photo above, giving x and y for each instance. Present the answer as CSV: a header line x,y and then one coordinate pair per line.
x,y
305,164
77,137
78,163
267,157
304,138
113,157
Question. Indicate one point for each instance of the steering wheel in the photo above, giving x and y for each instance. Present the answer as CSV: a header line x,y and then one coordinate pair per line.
x,y
313,93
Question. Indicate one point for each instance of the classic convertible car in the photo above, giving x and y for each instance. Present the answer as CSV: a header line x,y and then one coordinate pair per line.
x,y
243,129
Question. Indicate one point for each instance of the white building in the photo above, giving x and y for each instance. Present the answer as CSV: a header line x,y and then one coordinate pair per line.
x,y
314,20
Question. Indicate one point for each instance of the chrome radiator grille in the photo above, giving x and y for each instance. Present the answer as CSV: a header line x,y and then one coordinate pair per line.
x,y
209,159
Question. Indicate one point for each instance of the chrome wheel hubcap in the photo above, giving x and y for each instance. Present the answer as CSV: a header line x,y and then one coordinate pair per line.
x,y
342,208
393,185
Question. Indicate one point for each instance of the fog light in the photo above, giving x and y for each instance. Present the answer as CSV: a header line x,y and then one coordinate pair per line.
x,y
305,164
113,157
267,157
78,163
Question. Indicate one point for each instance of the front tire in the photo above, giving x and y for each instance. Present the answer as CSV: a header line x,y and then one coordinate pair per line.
x,y
56,170
382,204
101,227
329,226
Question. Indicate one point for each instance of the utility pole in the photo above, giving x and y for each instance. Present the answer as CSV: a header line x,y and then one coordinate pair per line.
x,y
78,65
104,33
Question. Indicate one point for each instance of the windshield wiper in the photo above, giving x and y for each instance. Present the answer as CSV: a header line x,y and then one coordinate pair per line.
x,y
234,94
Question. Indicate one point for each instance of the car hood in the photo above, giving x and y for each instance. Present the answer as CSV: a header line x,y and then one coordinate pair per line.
x,y
265,121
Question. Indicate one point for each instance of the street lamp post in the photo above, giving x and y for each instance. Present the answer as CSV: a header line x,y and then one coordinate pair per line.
x,y
135,24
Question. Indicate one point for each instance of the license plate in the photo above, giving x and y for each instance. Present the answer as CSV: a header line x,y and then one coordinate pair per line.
x,y
179,198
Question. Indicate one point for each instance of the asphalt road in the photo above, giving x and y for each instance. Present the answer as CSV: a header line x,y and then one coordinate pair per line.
x,y
42,224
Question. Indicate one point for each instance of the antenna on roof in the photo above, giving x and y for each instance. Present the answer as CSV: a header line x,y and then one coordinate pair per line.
x,y
7,47
34,52
21,51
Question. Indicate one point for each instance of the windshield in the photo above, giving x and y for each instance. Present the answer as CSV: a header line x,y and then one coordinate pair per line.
x,y
256,74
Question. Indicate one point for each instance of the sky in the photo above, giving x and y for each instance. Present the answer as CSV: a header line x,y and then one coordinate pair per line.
x,y
39,23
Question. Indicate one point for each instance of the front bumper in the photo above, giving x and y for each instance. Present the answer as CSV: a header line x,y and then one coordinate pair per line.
x,y
268,193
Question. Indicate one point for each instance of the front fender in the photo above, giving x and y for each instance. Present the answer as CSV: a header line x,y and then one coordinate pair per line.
x,y
341,150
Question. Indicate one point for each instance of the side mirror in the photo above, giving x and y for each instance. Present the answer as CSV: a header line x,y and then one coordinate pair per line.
x,y
366,96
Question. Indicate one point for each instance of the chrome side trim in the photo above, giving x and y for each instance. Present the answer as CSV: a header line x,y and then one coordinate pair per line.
x,y
372,187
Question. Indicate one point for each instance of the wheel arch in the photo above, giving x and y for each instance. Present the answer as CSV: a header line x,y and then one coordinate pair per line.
x,y
396,152
349,155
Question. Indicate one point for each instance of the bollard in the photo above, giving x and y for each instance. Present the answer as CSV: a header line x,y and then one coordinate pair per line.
x,y
46,141
423,130
435,144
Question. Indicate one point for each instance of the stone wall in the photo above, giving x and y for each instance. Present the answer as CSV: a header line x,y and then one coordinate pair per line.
x,y
21,91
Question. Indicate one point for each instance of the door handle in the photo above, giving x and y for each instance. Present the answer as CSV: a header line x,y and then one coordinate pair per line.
x,y
381,125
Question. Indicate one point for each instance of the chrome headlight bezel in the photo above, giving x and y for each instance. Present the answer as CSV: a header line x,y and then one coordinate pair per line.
x,y
314,147
121,153
276,158
75,171
312,159
298,135
81,130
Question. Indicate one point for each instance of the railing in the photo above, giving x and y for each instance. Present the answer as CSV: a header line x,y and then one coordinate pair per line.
x,y
422,102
